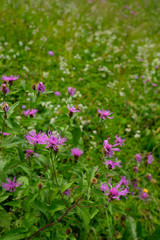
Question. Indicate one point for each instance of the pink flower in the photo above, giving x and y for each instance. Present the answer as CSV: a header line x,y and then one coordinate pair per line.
x,y
149,176
138,157
57,94
40,87
73,109
119,141
10,78
31,112
11,184
105,114
71,91
5,107
109,148
67,192
54,141
150,159
76,152
4,133
112,164
154,84
4,89
144,196
34,138
29,152
114,192
50,53
124,180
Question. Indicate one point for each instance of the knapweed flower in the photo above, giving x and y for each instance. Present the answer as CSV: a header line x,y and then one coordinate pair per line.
x,y
50,53
143,195
119,140
4,133
138,157
5,107
29,152
9,78
76,152
135,169
11,184
114,192
71,91
72,110
54,141
109,149
104,114
40,87
112,164
34,138
4,89
124,181
149,176
67,192
30,113
57,94
150,159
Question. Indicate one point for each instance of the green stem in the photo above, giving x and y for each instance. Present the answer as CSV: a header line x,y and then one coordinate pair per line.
x,y
54,172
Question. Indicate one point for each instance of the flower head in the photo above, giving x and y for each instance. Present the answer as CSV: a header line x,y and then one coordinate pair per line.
x,y
114,192
119,141
5,107
29,152
4,89
109,149
30,113
67,192
4,133
124,180
143,195
71,91
50,53
104,114
149,176
76,152
54,141
9,78
112,164
57,94
34,138
138,157
150,159
40,87
11,184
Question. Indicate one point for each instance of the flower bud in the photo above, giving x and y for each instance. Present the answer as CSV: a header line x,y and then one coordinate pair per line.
x,y
40,87
153,180
5,107
68,231
97,175
40,185
93,181
34,86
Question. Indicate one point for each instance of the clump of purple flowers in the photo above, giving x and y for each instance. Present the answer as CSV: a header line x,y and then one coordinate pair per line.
x,y
109,149
104,114
40,87
10,186
71,91
30,113
114,192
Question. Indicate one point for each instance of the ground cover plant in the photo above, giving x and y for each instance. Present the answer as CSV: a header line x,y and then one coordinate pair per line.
x,y
79,119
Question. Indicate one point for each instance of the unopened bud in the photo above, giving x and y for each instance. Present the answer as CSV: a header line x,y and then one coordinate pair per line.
x,y
34,86
153,181
97,175
40,185
68,231
93,181
5,107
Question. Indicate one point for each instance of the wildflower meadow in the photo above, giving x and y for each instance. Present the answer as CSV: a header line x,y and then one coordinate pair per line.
x,y
79,119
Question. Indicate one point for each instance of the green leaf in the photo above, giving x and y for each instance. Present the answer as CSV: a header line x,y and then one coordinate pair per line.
x,y
57,205
66,186
41,207
94,213
76,133
2,198
14,235
85,216
11,109
156,234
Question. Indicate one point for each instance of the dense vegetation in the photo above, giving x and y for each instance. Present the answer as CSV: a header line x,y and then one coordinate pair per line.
x,y
79,119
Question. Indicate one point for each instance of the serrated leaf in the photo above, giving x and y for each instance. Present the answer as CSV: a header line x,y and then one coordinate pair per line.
x,y
11,109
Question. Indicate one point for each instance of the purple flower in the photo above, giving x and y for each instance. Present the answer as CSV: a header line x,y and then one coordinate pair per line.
x,y
29,152
124,180
144,196
149,176
114,192
154,84
109,148
4,133
104,187
23,107
10,78
11,184
135,169
67,192
40,87
54,141
4,89
112,164
71,91
104,114
57,94
138,157
33,137
73,109
50,53
119,141
5,107
31,113
150,159
76,152
156,66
